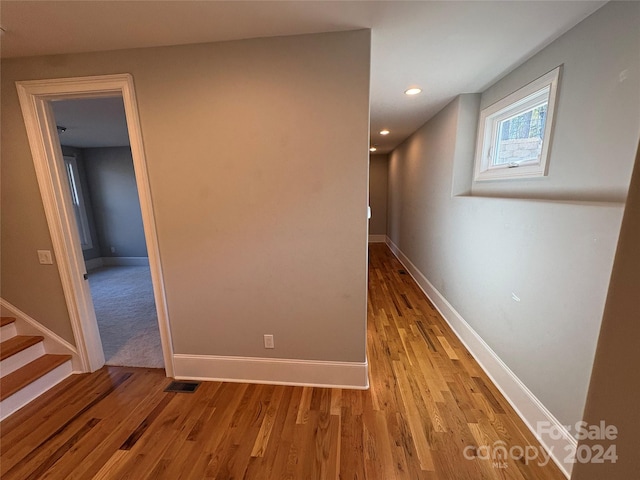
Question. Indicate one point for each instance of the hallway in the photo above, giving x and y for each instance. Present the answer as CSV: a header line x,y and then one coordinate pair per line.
x,y
428,411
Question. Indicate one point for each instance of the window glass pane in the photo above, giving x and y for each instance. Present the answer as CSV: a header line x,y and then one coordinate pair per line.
x,y
77,200
72,185
520,138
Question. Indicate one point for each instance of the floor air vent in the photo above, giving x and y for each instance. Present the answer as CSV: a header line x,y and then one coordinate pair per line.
x,y
402,272
182,387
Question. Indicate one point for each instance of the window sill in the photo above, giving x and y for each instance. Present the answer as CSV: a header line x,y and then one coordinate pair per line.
x,y
602,198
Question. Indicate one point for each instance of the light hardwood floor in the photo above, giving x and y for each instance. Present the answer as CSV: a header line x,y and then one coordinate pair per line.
x,y
428,401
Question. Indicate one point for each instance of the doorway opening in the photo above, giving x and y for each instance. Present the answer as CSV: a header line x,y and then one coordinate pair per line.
x,y
97,159
75,235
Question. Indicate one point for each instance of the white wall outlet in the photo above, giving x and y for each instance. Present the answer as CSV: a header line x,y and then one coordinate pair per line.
x,y
113,249
44,257
268,341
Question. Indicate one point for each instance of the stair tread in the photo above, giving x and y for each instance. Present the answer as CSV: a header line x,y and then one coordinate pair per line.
x,y
6,321
29,373
17,344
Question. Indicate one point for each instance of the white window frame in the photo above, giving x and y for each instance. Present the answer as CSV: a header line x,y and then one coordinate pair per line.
x,y
78,201
512,105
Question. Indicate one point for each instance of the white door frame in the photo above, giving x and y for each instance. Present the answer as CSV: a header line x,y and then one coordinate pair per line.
x,y
35,96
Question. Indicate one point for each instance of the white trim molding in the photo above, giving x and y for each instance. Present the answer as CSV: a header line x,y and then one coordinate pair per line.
x,y
93,263
125,261
533,95
35,97
53,343
524,402
99,262
377,238
278,371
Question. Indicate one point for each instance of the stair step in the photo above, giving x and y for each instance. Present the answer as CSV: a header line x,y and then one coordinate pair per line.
x,y
29,373
6,321
17,344
7,329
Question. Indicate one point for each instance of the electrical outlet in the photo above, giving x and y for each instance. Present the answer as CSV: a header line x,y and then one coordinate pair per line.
x,y
113,249
268,341
44,257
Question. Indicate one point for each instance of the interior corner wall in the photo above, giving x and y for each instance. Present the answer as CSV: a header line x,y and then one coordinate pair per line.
x,y
116,205
615,386
530,275
378,176
257,155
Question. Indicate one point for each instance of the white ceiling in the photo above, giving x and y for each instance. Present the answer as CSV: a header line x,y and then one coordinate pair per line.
x,y
92,122
445,47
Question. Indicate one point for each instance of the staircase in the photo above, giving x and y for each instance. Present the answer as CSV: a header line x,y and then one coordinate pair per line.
x,y
26,370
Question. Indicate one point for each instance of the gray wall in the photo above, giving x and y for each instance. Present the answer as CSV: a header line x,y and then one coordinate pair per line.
x,y
378,174
554,254
257,154
597,109
116,206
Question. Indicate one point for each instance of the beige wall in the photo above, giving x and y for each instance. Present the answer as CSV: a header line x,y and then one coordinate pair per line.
x,y
615,384
553,253
257,158
378,173
33,288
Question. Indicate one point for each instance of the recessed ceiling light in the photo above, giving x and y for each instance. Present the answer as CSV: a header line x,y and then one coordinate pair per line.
x,y
373,149
413,91
384,132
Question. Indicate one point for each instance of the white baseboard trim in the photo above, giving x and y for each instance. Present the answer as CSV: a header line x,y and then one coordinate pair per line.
x,y
125,261
308,373
93,263
116,262
524,402
53,343
377,238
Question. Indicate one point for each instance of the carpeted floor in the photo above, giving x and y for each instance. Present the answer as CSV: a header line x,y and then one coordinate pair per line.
x,y
126,313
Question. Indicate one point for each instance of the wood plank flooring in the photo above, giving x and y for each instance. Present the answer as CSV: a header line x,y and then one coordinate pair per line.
x,y
428,401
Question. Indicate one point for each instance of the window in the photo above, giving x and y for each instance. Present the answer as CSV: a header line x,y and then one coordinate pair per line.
x,y
71,168
515,132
